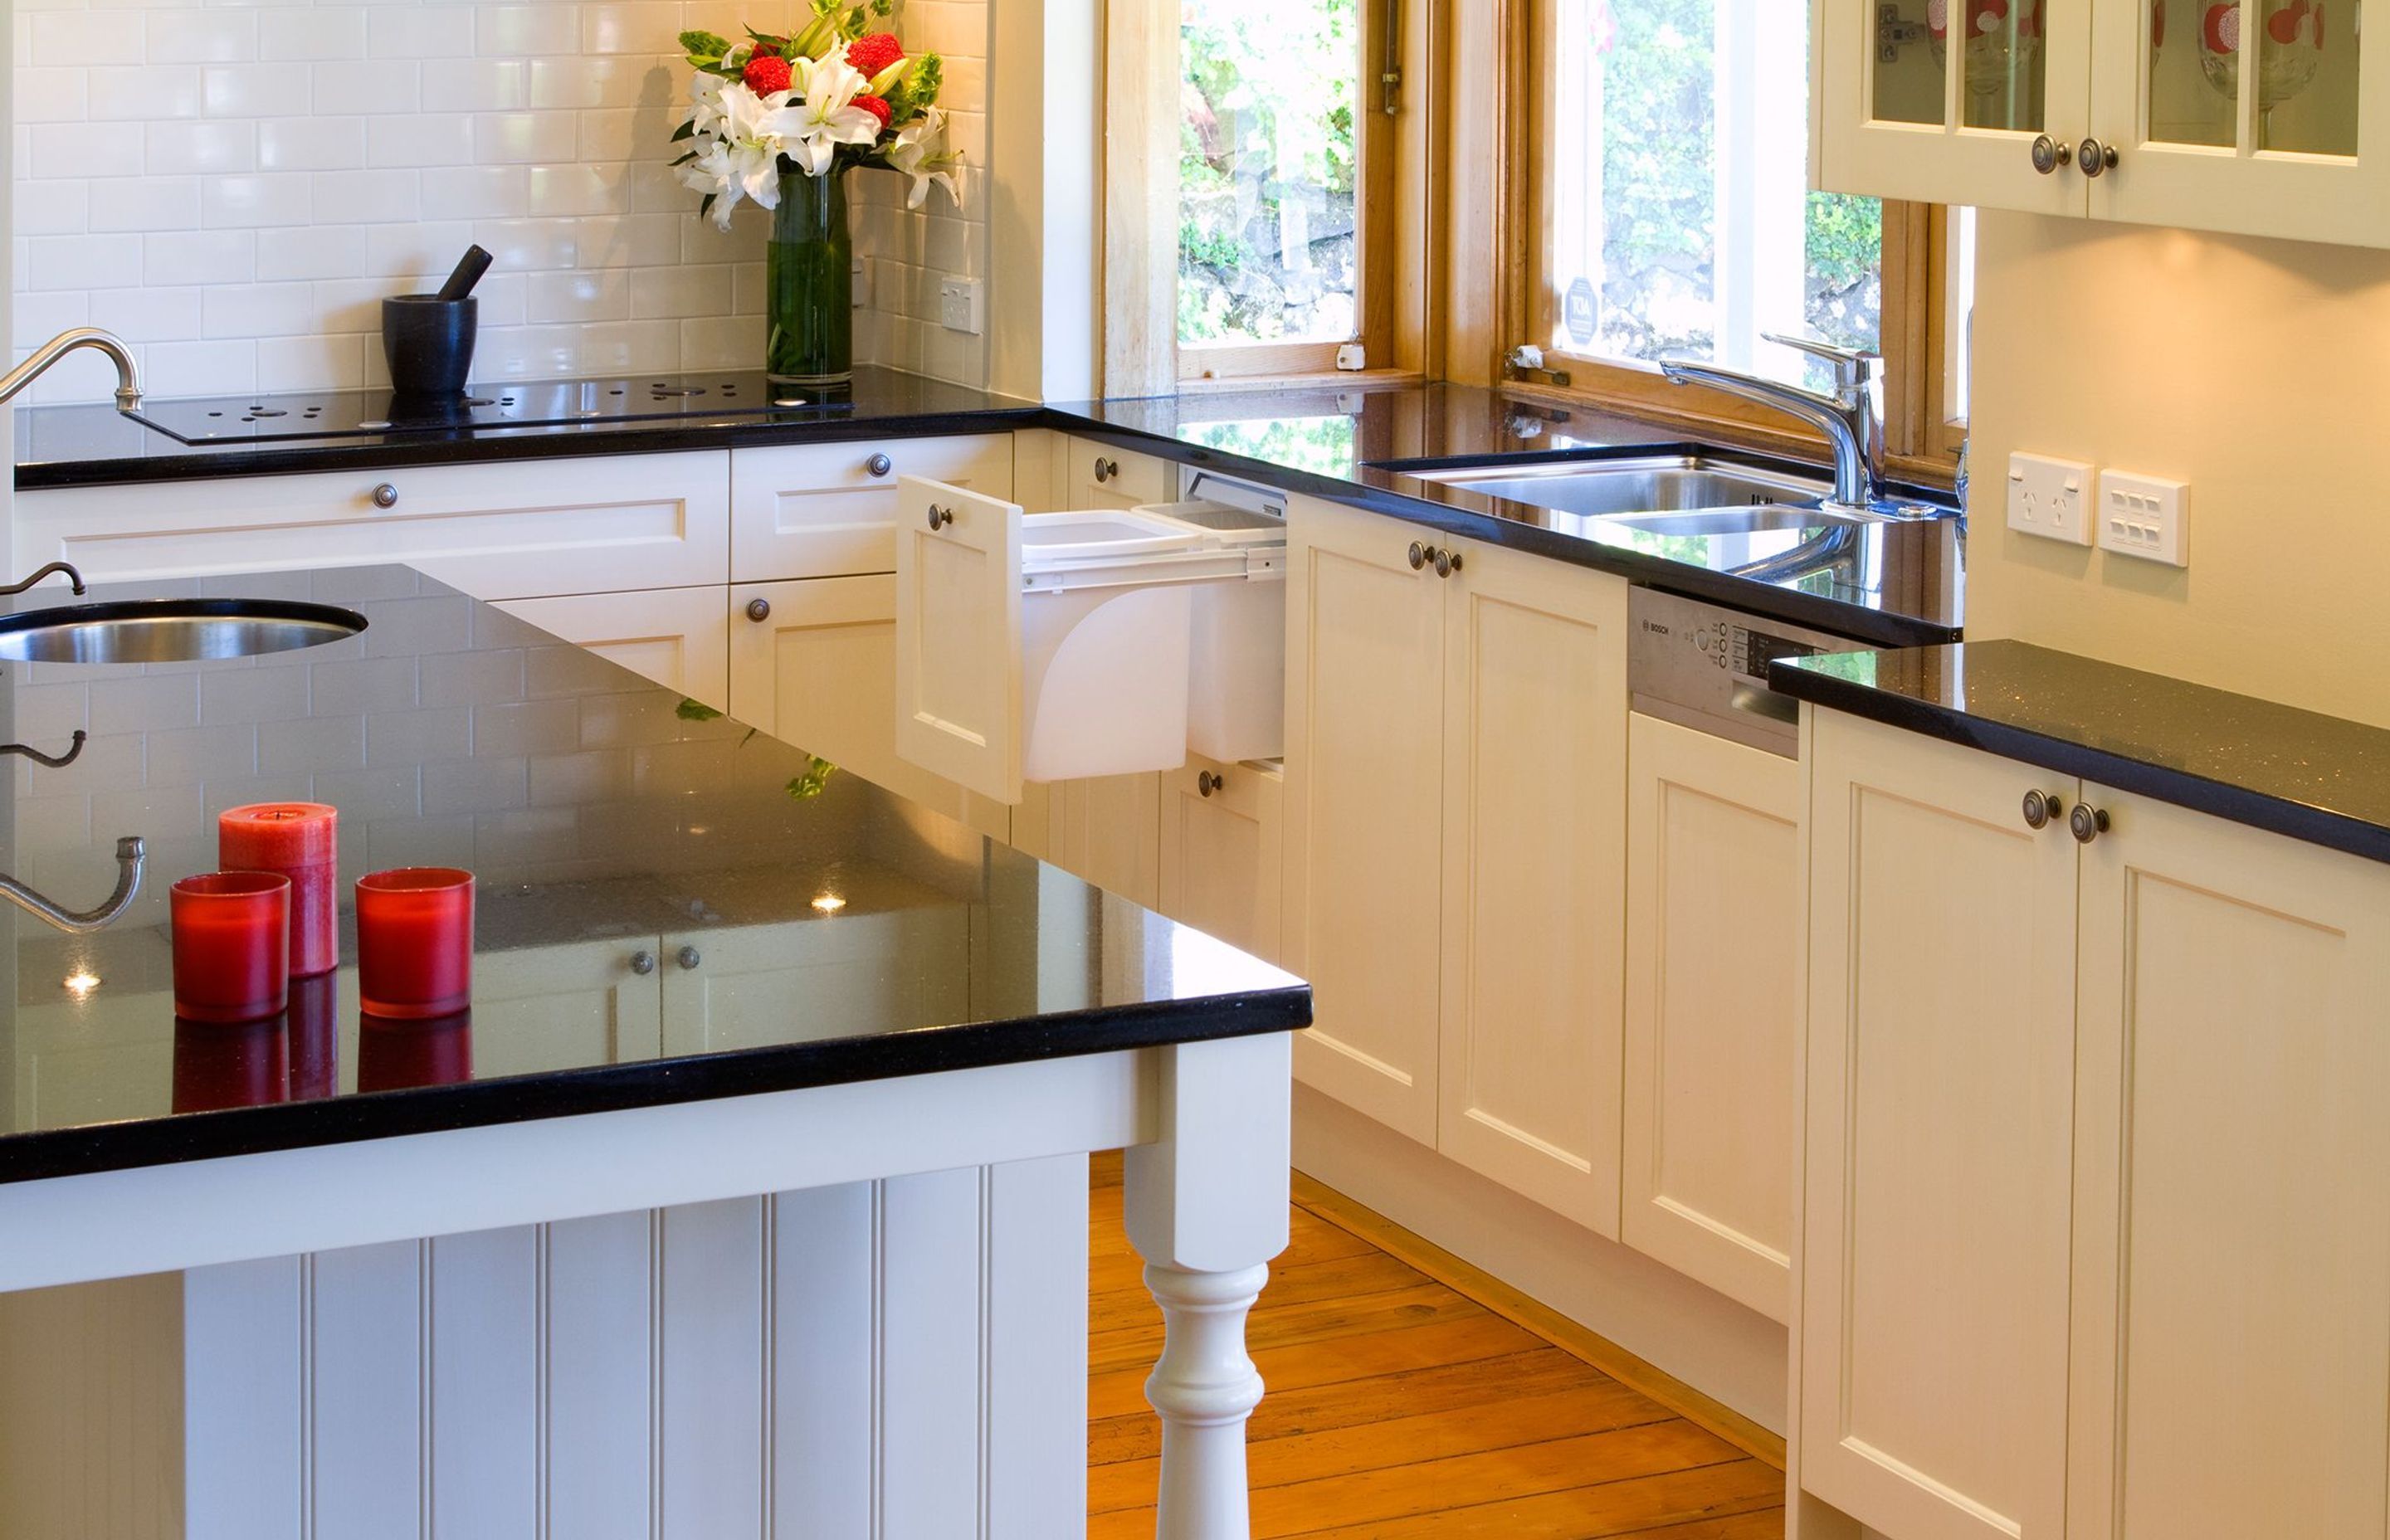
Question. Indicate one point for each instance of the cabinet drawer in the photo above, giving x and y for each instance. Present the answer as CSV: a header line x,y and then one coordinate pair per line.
x,y
679,638
1220,861
829,509
499,531
1097,476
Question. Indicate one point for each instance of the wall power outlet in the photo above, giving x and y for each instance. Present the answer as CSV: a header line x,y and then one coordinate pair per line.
x,y
2051,498
959,305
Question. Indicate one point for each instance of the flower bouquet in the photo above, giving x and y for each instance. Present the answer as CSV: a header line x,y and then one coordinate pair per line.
x,y
778,121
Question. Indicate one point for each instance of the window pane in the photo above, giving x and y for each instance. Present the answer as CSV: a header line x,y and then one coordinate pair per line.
x,y
1267,246
1676,187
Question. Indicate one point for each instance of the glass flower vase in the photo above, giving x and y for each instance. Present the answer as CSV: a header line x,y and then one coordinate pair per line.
x,y
809,283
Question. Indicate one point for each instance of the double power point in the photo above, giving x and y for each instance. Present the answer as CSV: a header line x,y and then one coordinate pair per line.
x,y
2143,517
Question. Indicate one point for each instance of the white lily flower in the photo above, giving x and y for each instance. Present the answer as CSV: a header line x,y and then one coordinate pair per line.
x,y
739,147
824,115
919,152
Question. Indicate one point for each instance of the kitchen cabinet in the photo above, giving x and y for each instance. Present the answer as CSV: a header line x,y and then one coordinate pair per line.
x,y
2259,117
1712,992
812,663
2231,1354
832,975
1092,475
545,1007
1940,1076
1456,834
1219,861
501,530
1104,830
829,509
679,638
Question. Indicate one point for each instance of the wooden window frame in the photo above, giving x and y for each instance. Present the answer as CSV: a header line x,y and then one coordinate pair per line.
x,y
1504,213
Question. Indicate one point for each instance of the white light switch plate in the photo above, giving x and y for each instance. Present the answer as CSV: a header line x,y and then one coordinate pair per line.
x,y
959,302
2147,517
2051,498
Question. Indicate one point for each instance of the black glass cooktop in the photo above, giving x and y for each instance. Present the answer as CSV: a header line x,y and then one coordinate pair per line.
x,y
729,396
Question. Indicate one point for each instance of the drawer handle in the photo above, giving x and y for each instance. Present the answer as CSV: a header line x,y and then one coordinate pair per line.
x,y
940,518
1106,469
687,957
2088,823
759,611
1207,783
2039,809
878,465
2049,154
385,497
1447,563
2095,158
1419,555
643,963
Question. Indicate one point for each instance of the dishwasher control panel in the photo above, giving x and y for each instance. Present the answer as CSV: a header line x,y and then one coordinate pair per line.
x,y
1704,666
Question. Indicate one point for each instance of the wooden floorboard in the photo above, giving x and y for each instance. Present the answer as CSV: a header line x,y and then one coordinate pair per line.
x,y
1400,1408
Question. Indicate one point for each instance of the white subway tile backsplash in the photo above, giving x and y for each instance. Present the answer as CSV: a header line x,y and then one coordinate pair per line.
x,y
234,186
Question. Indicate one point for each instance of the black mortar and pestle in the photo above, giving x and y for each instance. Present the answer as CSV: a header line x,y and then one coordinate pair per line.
x,y
429,338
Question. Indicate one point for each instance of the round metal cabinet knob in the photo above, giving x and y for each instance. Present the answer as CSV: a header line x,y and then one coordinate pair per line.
x,y
759,611
385,497
1418,556
2087,822
2039,809
643,963
2049,154
1106,469
687,957
1207,783
940,518
878,465
2095,156
1447,563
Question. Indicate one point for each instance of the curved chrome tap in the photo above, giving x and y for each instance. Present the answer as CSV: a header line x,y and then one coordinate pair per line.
x,y
128,372
52,570
1852,419
130,854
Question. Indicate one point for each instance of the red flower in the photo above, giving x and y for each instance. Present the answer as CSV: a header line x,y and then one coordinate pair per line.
x,y
874,52
768,49
874,106
767,74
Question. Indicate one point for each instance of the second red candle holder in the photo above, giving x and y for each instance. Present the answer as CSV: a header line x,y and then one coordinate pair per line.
x,y
415,941
231,944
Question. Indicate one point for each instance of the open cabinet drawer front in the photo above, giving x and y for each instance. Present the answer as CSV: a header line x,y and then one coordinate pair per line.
x,y
958,635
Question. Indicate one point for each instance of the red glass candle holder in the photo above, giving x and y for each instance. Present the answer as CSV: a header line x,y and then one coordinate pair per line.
x,y
231,945
302,841
415,941
315,1016
394,1054
220,1064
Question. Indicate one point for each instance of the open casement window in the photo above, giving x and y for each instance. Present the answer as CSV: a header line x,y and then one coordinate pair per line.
x,y
1663,211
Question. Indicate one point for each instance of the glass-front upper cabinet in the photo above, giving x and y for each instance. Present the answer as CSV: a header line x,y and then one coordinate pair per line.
x,y
2261,117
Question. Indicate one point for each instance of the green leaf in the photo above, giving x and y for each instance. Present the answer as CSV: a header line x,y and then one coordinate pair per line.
x,y
696,711
704,45
686,131
814,780
685,158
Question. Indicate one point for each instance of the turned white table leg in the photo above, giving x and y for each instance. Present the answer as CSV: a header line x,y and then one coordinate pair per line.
x,y
1206,1207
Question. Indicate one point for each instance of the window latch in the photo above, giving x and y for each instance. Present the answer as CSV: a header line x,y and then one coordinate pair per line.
x,y
1525,362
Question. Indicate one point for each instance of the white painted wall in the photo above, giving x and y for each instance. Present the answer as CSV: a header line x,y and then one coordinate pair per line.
x,y
233,188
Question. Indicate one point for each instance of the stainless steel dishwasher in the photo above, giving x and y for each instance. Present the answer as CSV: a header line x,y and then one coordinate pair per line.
x,y
1704,666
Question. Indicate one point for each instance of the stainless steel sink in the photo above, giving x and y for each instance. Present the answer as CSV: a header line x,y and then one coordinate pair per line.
x,y
171,631
1642,484
1760,519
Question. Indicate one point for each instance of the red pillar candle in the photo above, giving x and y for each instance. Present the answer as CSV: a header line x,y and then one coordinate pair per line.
x,y
231,945
220,1064
415,941
315,1016
394,1054
302,841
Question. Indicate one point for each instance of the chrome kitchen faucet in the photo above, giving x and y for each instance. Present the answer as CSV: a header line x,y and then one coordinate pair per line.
x,y
1852,419
128,372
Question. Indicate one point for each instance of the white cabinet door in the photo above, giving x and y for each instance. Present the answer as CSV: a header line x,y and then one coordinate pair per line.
x,y
1094,475
1104,830
1954,119
548,1008
2231,1342
829,509
514,529
1220,865
679,638
813,664
1940,1094
1712,971
1365,809
958,696
803,980
1535,849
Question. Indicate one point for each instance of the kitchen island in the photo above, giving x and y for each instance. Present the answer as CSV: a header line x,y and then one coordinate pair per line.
x,y
750,1196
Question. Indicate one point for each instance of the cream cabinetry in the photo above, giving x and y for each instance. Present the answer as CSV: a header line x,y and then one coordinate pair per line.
x,y
1219,862
829,509
1712,993
2095,1132
1456,831
2260,117
1091,475
1105,829
498,530
679,638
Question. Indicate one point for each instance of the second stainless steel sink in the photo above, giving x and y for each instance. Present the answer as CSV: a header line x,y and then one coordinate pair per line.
x,y
1638,484
171,631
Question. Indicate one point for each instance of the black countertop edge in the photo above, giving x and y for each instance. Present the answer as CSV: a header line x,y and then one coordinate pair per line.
x,y
2231,801
48,1154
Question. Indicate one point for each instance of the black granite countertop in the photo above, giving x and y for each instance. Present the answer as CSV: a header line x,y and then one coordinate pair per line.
x,y
839,933
2319,778
1893,585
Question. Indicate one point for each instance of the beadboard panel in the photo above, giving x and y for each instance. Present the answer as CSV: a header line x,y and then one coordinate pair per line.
x,y
893,1360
